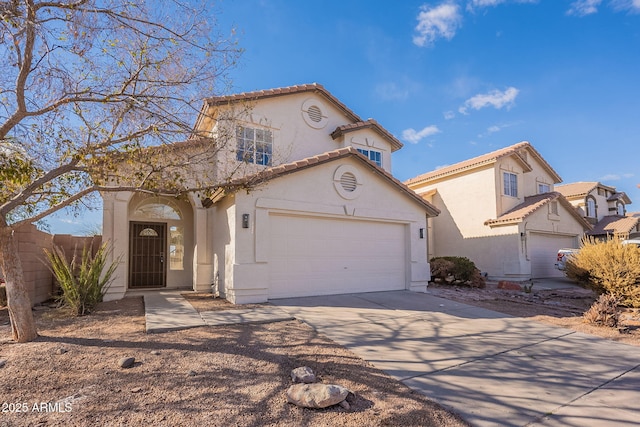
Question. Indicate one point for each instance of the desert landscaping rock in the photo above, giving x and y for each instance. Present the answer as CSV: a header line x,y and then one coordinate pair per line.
x,y
61,350
126,362
316,396
3,362
303,374
192,373
136,390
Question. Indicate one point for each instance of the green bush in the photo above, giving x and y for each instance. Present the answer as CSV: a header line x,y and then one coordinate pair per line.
x,y
608,267
83,281
462,270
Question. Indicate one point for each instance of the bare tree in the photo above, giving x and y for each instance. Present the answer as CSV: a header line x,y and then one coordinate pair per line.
x,y
88,88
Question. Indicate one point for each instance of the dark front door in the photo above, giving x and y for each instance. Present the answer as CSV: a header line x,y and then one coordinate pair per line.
x,y
147,246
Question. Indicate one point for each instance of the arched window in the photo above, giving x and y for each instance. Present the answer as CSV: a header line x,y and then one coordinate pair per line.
x,y
158,209
620,207
591,208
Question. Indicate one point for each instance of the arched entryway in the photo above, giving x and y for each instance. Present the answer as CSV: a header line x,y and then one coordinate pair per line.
x,y
160,243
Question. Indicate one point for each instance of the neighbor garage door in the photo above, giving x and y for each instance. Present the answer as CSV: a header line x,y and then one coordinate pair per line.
x,y
321,256
543,250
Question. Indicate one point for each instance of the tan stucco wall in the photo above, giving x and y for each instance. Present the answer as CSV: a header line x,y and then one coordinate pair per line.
x,y
293,138
312,192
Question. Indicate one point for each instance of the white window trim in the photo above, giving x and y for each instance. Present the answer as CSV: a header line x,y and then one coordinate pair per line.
x,y
508,185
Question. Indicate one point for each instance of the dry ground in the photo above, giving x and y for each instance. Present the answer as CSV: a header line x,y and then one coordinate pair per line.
x,y
208,376
227,376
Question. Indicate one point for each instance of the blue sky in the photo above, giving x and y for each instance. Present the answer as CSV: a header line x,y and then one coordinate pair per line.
x,y
456,79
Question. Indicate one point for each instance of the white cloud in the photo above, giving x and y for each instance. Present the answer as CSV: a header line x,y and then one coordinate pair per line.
x,y
440,21
584,7
477,4
391,92
413,136
495,98
615,177
448,115
630,5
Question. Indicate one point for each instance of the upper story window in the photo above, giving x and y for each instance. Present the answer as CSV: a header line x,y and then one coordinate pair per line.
x,y
510,184
553,208
373,155
591,208
620,211
543,188
254,145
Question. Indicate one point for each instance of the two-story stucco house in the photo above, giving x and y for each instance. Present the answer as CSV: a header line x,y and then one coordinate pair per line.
x,y
500,210
602,206
324,215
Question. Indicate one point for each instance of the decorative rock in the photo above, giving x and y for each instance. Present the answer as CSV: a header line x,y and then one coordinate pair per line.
x,y
136,390
316,395
61,350
126,362
510,286
345,405
303,374
156,353
192,373
3,362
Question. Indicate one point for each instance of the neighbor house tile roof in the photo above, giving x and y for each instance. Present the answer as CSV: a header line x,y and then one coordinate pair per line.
x,y
486,159
575,189
367,124
288,168
614,224
270,93
530,205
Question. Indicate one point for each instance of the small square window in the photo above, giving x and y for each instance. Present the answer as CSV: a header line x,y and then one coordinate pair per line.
x,y
543,188
373,155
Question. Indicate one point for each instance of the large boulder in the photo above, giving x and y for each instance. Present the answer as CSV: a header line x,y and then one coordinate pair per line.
x,y
316,395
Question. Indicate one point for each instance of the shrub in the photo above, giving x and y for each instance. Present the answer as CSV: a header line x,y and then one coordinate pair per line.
x,y
608,267
462,270
603,312
83,281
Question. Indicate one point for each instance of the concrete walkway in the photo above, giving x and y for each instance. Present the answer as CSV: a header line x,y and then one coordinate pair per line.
x,y
493,369
168,311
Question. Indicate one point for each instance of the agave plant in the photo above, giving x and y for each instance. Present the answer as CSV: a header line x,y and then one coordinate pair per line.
x,y
83,281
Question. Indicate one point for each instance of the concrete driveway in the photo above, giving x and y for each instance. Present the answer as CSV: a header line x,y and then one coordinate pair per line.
x,y
491,368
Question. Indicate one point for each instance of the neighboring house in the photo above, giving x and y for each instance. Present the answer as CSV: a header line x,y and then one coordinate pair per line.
x,y
604,207
500,210
323,214
594,200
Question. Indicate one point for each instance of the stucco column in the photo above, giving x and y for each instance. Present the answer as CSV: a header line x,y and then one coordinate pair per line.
x,y
115,229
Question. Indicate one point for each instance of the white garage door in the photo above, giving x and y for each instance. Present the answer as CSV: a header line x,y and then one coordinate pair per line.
x,y
320,256
543,252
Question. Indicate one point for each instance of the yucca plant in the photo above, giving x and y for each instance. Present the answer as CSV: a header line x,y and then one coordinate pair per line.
x,y
83,281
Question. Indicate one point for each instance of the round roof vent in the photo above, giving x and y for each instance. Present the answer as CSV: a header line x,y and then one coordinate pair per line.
x,y
348,182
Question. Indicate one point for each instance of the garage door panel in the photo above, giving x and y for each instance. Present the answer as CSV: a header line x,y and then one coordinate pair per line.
x,y
543,251
320,256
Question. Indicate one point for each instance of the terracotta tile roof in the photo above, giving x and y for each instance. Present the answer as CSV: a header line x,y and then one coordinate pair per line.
x,y
270,93
614,224
620,195
285,169
485,159
370,123
532,204
576,189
